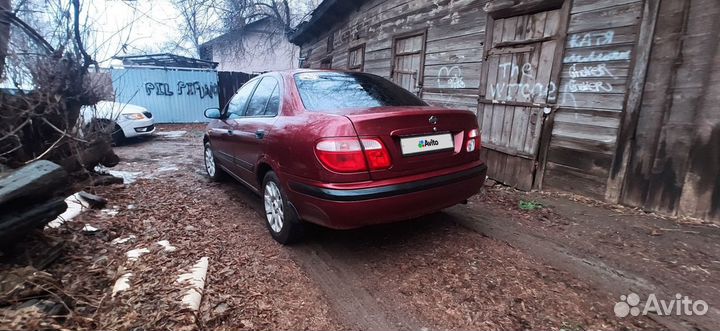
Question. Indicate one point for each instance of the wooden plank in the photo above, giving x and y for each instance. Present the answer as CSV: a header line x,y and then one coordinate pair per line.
x,y
507,126
485,119
596,164
604,101
629,120
592,119
519,129
552,23
509,26
568,179
497,126
589,144
606,18
605,37
580,6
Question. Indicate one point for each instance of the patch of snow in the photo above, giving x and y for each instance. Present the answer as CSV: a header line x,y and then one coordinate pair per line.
x,y
166,245
131,206
110,212
75,206
128,177
90,228
118,240
196,281
171,134
135,254
122,283
168,168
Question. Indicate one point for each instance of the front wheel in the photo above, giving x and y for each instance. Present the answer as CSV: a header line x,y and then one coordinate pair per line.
x,y
281,219
211,168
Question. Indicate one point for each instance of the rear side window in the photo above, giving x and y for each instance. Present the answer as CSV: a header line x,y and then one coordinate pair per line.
x,y
273,106
261,97
236,106
341,90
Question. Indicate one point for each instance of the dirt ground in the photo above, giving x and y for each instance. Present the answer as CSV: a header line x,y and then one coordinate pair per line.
x,y
487,265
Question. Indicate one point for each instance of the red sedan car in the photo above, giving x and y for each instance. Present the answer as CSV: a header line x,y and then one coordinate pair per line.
x,y
342,150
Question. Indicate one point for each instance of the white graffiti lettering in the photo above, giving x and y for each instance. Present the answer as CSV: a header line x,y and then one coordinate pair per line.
x,y
527,88
592,39
599,56
450,77
599,70
588,86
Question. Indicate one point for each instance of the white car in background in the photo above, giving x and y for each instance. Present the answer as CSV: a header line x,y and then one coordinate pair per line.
x,y
126,120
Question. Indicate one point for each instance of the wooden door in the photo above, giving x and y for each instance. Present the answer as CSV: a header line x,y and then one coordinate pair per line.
x,y
408,62
517,93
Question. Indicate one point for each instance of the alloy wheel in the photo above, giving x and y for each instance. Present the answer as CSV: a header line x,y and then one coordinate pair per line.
x,y
209,161
274,206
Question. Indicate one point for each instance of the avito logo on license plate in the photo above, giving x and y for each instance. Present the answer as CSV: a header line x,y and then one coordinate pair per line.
x,y
424,144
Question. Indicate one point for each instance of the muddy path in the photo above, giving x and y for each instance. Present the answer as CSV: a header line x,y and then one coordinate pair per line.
x,y
429,273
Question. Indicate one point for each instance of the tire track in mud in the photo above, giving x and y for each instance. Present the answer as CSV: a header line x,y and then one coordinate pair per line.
x,y
329,263
355,306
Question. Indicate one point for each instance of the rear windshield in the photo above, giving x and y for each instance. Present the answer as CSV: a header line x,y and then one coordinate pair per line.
x,y
347,90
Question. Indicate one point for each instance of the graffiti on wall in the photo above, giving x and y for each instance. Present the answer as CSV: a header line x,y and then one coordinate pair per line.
x,y
450,77
525,86
182,88
590,72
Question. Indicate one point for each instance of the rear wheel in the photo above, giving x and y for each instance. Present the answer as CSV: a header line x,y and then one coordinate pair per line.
x,y
280,217
211,168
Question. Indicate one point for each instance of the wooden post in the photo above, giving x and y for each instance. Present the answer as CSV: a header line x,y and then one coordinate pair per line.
x,y
628,122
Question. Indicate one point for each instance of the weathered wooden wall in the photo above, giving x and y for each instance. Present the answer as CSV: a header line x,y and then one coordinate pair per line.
x,y
453,50
666,96
596,65
674,164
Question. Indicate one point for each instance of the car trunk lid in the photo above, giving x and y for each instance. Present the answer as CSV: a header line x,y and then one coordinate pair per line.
x,y
441,132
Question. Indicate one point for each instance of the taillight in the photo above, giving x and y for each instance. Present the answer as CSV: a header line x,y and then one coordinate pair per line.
x,y
341,155
346,154
473,141
376,153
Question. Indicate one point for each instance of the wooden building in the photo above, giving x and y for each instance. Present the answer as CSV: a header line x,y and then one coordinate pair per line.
x,y
613,99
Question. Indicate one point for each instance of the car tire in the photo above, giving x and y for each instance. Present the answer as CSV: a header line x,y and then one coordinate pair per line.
x,y
211,168
118,136
100,125
280,217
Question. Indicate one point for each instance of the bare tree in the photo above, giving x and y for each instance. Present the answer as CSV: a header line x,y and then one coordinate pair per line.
x,y
4,32
47,63
205,19
199,21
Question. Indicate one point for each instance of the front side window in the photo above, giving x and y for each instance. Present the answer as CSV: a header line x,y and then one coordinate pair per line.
x,y
346,90
261,97
236,106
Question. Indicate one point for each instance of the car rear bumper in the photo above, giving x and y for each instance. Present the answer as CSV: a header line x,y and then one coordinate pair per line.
x,y
351,208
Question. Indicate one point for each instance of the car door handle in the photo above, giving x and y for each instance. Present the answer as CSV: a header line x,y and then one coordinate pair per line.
x,y
260,134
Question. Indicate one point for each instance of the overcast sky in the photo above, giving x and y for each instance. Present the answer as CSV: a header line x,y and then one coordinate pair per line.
x,y
128,27
131,27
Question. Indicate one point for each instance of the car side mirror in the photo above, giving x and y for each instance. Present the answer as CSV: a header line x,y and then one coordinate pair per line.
x,y
213,113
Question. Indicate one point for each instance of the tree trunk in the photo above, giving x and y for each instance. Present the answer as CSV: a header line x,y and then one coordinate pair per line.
x,y
4,33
